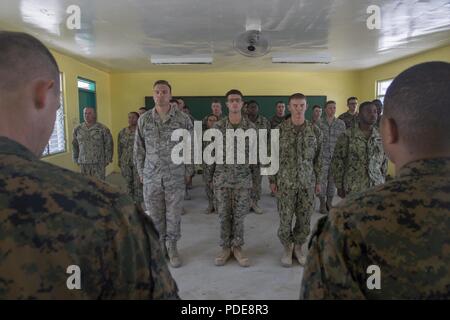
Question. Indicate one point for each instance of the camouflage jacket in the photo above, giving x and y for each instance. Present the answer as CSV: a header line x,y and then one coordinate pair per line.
x,y
402,227
92,145
275,121
330,135
52,218
125,146
300,156
233,175
349,119
153,147
358,163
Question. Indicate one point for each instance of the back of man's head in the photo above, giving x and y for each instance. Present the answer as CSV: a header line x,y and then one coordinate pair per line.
x,y
24,59
418,101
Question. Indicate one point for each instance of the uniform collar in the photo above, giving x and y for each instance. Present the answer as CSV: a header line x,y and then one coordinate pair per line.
x,y
437,166
170,113
11,147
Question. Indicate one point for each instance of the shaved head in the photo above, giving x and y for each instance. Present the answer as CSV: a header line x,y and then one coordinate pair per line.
x,y
23,59
418,100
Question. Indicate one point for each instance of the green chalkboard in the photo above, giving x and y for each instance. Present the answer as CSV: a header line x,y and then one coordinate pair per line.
x,y
201,106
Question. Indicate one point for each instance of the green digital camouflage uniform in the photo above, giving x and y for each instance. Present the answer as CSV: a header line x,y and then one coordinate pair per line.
x,y
260,123
403,227
232,184
358,162
92,149
127,166
52,218
164,181
300,166
349,119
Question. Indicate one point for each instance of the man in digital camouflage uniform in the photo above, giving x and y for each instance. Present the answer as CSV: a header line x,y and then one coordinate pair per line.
x,y
260,122
52,218
232,185
350,117
391,242
331,129
126,162
92,146
359,161
298,179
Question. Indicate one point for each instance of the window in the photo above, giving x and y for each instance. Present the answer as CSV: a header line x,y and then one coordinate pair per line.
x,y
57,142
382,87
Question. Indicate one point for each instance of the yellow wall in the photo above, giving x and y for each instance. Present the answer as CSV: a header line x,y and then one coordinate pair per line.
x,y
369,77
71,70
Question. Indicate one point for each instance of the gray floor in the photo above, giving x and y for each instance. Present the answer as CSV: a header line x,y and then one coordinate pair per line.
x,y
199,278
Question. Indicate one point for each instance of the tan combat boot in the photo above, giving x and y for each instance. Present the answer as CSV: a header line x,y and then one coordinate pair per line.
x,y
174,257
240,257
223,256
301,252
286,259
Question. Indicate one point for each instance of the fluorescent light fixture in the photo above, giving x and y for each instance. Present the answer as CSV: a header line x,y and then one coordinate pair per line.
x,y
303,58
188,59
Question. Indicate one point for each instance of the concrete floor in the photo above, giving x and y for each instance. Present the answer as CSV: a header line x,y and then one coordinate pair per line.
x,y
199,278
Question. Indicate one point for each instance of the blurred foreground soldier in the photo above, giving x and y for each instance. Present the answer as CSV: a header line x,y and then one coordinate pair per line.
x,y
331,129
92,146
209,189
232,184
279,116
351,116
359,161
316,115
379,105
300,165
164,181
260,122
391,242
126,163
142,110
60,230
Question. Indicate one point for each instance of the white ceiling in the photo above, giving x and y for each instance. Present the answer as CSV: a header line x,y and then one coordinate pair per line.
x,y
120,36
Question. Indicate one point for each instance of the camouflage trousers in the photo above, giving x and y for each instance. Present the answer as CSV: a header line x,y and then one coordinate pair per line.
x,y
232,206
134,185
327,186
256,189
164,205
209,192
96,170
298,203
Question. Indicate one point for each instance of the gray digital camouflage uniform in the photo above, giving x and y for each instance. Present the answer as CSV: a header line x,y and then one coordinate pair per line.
x,y
300,167
358,162
164,181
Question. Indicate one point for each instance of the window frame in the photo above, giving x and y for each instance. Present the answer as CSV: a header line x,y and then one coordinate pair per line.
x,y
378,95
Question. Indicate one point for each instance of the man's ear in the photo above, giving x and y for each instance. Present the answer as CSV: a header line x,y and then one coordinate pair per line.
x,y
41,91
389,130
